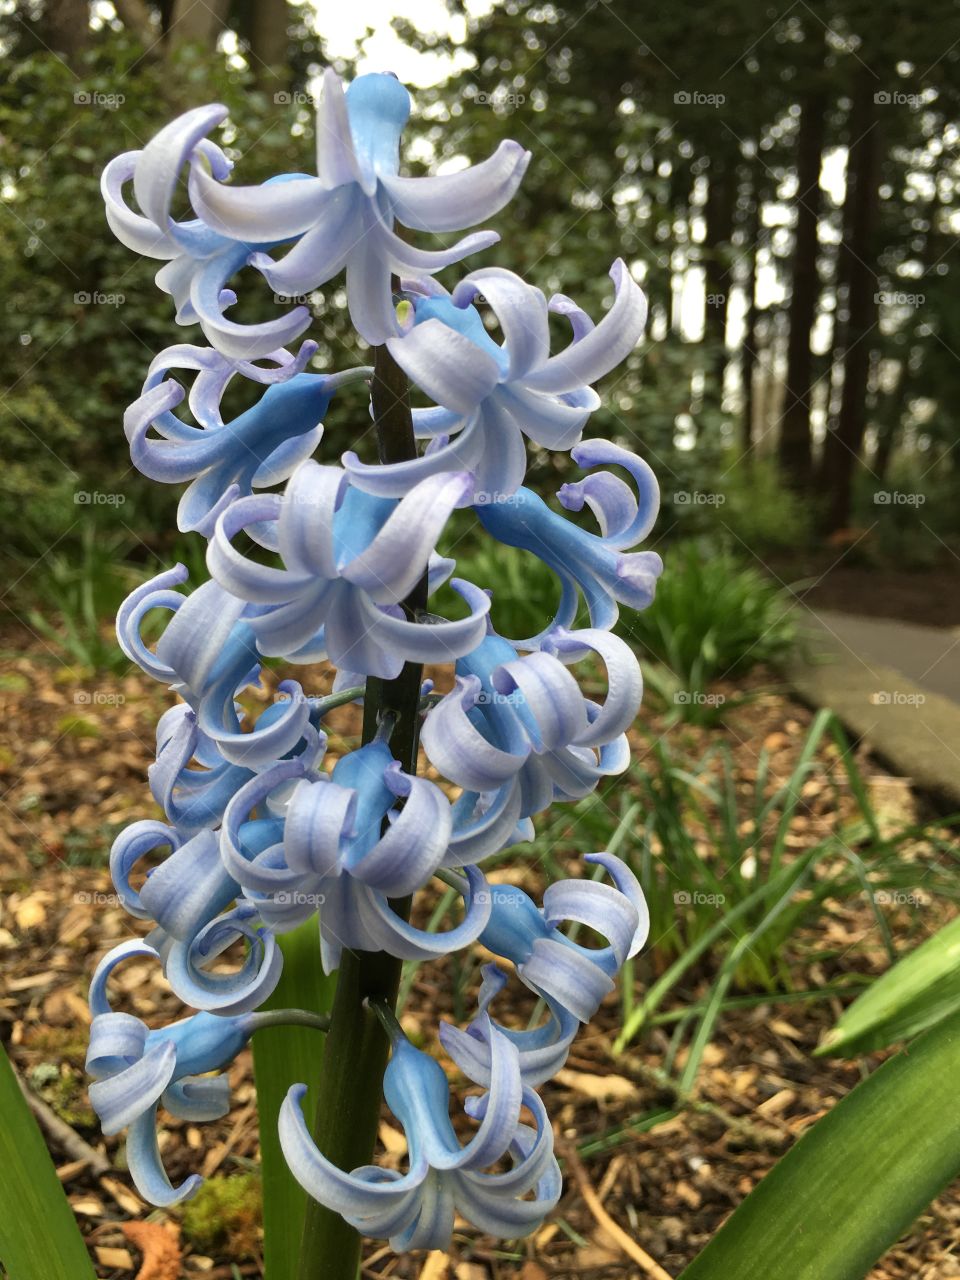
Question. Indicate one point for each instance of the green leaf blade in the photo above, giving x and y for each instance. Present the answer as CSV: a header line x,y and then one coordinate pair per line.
x,y
856,1180
39,1238
917,992
283,1056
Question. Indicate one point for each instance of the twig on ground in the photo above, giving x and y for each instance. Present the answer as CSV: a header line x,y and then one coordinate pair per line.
x,y
603,1219
59,1132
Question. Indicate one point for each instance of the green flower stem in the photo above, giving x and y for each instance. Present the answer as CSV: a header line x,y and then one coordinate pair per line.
x,y
355,1053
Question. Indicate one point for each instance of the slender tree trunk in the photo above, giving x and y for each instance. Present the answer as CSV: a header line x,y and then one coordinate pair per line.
x,y
795,447
269,43
843,445
66,27
718,214
748,349
197,22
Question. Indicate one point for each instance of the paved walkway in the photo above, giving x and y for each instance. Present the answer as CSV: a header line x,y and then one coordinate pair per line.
x,y
928,656
896,685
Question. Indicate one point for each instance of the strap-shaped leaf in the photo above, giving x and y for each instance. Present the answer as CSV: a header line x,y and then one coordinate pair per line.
x,y
39,1236
856,1180
919,991
283,1056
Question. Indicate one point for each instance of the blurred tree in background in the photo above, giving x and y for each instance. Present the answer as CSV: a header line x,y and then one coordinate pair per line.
x,y
784,183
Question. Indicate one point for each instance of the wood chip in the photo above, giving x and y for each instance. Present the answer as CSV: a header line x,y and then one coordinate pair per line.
x,y
125,1198
435,1267
599,1088
119,1259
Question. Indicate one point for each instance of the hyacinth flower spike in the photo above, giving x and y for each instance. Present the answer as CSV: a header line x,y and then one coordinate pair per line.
x,y
259,834
494,395
136,1070
416,1210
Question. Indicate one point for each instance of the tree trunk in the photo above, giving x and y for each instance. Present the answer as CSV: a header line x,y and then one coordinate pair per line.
x,y
748,349
66,27
843,445
135,16
269,43
718,214
197,23
795,448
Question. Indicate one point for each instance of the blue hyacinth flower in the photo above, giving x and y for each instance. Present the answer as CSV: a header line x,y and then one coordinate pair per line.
x,y
489,397
522,724
226,460
416,1210
344,217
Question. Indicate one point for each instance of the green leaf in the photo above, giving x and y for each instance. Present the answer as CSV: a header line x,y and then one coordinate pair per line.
x,y
39,1236
283,1056
856,1180
919,991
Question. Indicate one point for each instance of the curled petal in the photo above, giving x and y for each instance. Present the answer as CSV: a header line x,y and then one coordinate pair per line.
x,y
603,348
624,681
629,886
189,888
120,1099
97,999
458,749
399,938
229,993
132,844
449,202
154,594
624,519
146,1166
414,844
345,1193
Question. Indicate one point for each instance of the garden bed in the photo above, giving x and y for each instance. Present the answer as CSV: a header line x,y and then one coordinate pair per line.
x,y
666,1167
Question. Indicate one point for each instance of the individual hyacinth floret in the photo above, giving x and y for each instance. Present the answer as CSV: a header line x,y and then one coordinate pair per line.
x,y
267,820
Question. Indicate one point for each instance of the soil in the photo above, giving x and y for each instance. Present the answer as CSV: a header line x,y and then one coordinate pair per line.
x,y
828,580
74,749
